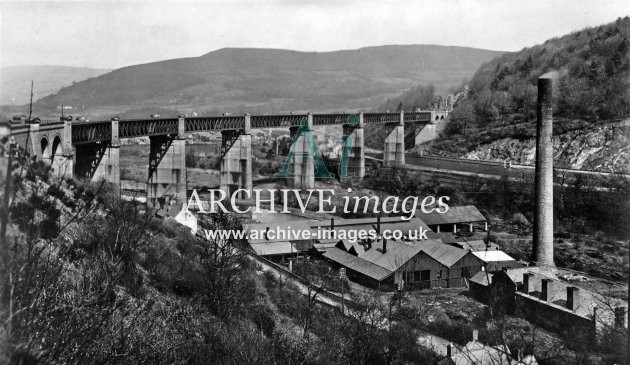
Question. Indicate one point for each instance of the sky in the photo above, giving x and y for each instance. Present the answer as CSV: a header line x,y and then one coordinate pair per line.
x,y
113,34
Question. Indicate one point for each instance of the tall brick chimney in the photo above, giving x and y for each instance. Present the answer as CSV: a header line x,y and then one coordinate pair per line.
x,y
543,211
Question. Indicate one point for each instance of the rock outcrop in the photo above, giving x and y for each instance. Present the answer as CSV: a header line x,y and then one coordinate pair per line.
x,y
601,148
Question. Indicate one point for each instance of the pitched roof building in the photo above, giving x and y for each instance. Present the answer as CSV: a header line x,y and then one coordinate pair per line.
x,y
543,299
419,264
450,220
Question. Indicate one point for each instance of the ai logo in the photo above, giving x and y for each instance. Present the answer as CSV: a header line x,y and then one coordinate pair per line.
x,y
313,151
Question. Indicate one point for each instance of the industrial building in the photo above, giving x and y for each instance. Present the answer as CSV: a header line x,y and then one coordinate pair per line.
x,y
420,264
466,217
552,303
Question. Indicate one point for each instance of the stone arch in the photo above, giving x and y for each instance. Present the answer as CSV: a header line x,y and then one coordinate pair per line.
x,y
442,117
56,150
437,117
45,148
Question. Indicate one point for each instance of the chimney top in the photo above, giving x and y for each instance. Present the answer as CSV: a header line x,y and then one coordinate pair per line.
x,y
449,350
545,90
475,335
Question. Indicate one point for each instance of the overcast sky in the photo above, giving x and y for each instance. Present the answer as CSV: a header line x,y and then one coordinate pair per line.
x,y
109,34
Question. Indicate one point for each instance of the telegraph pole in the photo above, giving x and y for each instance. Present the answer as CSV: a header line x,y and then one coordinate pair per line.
x,y
30,105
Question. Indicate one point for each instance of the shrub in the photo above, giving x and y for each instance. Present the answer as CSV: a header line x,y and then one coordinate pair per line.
x,y
38,169
519,218
262,317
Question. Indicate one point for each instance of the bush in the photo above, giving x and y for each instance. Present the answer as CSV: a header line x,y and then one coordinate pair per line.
x,y
519,218
38,170
55,191
262,317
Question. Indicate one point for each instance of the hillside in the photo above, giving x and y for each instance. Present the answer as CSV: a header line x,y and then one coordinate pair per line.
x,y
97,280
591,68
15,81
264,80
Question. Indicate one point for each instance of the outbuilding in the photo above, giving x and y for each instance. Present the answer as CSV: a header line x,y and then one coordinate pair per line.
x,y
454,218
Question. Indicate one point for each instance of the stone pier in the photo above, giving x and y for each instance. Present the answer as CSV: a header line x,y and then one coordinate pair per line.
x,y
354,148
394,151
63,157
167,169
236,164
303,164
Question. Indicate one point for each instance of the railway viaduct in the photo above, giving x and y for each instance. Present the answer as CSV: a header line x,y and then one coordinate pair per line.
x,y
91,150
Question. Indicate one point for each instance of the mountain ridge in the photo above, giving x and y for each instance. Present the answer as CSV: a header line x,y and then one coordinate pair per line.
x,y
264,79
15,81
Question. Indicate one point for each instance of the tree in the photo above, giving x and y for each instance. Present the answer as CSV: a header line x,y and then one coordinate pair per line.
x,y
270,155
221,260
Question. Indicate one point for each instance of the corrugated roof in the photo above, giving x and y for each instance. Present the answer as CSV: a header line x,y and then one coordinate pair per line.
x,y
516,275
462,214
444,254
412,225
446,237
357,250
354,228
344,245
479,245
493,255
340,222
482,278
273,248
396,255
500,265
460,242
295,226
357,264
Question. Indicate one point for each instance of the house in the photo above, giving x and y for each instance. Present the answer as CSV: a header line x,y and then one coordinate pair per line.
x,y
180,214
539,296
477,353
420,264
187,218
453,218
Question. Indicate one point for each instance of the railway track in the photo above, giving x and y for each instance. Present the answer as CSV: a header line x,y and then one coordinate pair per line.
x,y
489,168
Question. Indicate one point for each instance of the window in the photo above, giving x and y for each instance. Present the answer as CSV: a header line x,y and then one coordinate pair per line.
x,y
425,275
408,276
416,276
